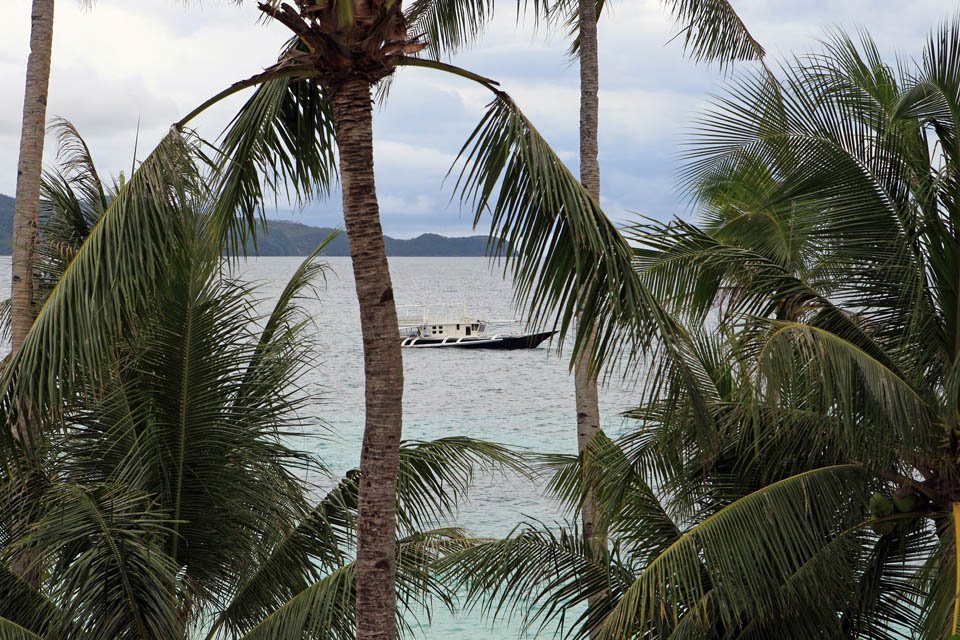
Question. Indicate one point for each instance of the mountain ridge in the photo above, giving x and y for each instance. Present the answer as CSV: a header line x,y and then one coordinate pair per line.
x,y
289,238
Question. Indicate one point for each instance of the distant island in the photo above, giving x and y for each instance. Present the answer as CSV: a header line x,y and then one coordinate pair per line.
x,y
286,238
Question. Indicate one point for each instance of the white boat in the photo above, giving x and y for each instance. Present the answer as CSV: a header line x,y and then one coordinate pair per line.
x,y
463,332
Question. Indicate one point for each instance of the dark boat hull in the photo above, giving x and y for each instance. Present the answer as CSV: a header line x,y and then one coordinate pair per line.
x,y
503,343
509,343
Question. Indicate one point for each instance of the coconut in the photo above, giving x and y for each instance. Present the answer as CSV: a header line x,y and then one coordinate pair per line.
x,y
881,505
906,504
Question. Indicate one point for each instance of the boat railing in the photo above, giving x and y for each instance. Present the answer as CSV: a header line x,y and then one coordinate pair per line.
x,y
415,315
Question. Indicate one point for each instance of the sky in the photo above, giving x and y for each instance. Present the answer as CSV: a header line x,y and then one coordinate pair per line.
x,y
124,70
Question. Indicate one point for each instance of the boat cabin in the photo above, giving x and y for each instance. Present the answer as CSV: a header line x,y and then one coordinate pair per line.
x,y
464,328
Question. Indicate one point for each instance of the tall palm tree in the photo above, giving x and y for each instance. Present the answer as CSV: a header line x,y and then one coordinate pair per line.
x,y
320,91
810,470
170,504
30,167
713,31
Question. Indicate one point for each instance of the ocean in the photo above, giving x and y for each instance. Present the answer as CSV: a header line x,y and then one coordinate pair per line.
x,y
524,399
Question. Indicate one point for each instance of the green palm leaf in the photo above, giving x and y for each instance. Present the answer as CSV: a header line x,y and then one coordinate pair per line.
x,y
539,577
104,545
282,139
778,529
10,630
111,280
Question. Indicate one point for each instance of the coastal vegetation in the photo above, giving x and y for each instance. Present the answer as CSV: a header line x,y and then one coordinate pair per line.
x,y
790,469
291,238
565,256
165,498
802,483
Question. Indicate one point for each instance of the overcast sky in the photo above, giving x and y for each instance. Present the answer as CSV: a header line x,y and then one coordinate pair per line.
x,y
144,63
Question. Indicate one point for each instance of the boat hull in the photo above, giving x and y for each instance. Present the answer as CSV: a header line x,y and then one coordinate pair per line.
x,y
503,343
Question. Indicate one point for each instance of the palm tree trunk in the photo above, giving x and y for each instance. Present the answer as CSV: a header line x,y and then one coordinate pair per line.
x,y
585,379
383,367
25,212
29,169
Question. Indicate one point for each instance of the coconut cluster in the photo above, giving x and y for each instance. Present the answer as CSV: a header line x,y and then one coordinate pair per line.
x,y
885,509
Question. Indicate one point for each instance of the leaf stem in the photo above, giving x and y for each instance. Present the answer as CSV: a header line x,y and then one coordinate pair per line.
x,y
260,78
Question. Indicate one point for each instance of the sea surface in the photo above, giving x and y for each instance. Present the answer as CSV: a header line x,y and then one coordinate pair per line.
x,y
524,399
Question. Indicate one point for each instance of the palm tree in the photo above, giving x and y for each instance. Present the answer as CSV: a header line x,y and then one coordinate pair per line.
x,y
831,259
320,91
809,470
30,167
169,502
714,31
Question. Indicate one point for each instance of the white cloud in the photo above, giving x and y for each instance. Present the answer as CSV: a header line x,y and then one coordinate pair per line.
x,y
393,155
419,205
125,61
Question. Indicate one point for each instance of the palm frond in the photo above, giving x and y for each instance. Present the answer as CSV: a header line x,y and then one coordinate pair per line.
x,y
447,26
628,508
10,630
104,545
778,528
323,610
288,567
847,377
538,576
282,139
27,607
109,282
435,476
713,31
568,260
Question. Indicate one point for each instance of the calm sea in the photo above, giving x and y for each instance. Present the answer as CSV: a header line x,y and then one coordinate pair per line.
x,y
524,399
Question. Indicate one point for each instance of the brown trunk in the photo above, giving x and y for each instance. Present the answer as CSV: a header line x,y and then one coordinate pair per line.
x,y
29,169
585,379
26,210
383,367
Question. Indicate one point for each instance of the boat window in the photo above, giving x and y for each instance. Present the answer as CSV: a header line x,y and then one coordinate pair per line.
x,y
468,330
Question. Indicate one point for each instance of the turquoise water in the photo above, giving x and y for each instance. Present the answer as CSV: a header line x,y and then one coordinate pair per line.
x,y
524,399
521,398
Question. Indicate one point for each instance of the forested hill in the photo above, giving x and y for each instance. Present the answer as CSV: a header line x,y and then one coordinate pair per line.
x,y
295,239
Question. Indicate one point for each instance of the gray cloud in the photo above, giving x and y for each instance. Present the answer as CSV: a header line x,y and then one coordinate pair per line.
x,y
151,62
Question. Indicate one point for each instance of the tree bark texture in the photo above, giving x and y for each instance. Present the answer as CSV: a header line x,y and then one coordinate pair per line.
x,y
25,213
29,169
585,379
383,366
